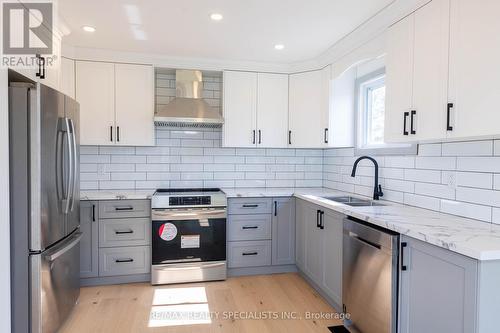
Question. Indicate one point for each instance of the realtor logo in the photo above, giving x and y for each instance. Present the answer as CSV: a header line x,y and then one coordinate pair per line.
x,y
27,28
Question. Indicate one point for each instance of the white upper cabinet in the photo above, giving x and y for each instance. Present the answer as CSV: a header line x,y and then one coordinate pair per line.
x,y
399,79
272,110
308,109
95,91
67,83
255,109
240,109
474,68
134,104
116,103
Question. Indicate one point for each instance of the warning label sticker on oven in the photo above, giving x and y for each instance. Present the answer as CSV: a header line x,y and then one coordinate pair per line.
x,y
190,242
167,231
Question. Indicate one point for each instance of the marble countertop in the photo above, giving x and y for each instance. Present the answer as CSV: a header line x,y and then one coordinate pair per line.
x,y
478,240
116,195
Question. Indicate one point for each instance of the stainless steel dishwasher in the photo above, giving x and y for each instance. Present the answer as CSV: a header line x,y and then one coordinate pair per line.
x,y
370,279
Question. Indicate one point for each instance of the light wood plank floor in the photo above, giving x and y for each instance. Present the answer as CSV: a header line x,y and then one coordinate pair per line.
x,y
141,307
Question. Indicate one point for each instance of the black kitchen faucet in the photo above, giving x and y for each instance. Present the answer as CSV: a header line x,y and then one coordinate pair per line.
x,y
377,190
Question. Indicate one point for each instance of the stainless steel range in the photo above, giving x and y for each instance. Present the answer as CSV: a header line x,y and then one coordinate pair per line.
x,y
188,235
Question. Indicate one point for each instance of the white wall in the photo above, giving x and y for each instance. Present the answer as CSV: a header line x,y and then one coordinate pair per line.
x,y
4,206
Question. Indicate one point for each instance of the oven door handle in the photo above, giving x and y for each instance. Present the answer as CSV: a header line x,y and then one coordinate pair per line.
x,y
168,215
175,268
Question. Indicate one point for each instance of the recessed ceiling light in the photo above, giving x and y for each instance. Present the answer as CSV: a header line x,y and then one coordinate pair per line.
x,y
216,16
279,46
88,28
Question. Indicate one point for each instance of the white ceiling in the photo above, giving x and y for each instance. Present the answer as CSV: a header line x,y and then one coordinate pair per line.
x,y
248,32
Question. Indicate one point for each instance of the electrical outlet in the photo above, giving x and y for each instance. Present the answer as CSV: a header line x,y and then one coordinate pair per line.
x,y
450,179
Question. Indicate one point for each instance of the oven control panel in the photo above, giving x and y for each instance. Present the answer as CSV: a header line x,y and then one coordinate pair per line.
x,y
190,201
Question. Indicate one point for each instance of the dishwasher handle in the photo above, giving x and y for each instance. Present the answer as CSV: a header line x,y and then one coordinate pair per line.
x,y
362,240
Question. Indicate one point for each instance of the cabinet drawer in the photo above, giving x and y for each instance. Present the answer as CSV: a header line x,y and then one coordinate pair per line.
x,y
124,232
249,227
248,254
115,209
124,260
250,206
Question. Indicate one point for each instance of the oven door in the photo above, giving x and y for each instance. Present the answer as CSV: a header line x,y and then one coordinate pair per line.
x,y
188,235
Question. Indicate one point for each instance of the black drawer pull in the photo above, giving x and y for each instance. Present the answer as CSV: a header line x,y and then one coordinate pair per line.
x,y
124,232
252,227
326,135
405,115
403,245
123,208
253,140
250,253
250,206
289,137
93,213
124,260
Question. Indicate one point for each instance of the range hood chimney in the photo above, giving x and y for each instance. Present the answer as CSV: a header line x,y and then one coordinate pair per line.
x,y
188,108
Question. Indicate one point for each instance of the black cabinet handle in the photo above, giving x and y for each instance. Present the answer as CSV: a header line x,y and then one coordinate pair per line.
x,y
93,213
276,208
250,253
41,66
321,220
123,208
124,232
253,140
412,130
252,227
448,111
250,206
117,133
260,137
405,115
318,212
124,260
326,135
289,137
111,133
403,245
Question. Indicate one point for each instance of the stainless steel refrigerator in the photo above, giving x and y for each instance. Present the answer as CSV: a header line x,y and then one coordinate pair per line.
x,y
45,207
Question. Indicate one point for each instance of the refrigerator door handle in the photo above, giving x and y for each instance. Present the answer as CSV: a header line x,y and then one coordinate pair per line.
x,y
73,165
70,167
76,239
59,165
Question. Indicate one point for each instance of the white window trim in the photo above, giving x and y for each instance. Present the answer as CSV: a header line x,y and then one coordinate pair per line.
x,y
360,147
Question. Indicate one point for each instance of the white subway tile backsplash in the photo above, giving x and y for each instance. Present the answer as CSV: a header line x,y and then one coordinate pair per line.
x,y
261,159
128,176
496,215
435,190
186,167
479,164
474,179
496,182
117,150
218,167
425,176
497,147
477,212
436,163
127,159
422,201
398,161
470,148
252,167
229,159
479,196
95,159
163,159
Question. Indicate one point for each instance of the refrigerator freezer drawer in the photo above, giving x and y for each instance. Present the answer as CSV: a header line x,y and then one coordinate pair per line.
x,y
55,284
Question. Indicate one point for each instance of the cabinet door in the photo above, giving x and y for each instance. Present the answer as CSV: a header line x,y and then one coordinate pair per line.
x,y
313,246
89,265
300,235
399,78
272,110
68,77
95,91
53,69
283,234
430,70
307,110
332,255
134,105
240,109
438,290
474,67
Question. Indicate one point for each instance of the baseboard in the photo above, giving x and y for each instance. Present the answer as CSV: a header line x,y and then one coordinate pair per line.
x,y
99,281
261,270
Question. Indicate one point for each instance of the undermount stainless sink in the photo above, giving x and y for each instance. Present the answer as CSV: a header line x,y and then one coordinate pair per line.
x,y
353,201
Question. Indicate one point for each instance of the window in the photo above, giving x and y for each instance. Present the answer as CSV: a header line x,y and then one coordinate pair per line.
x,y
370,104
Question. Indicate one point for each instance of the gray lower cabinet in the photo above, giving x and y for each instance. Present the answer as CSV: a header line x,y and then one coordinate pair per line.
x,y
438,290
89,244
319,248
116,240
283,224
261,232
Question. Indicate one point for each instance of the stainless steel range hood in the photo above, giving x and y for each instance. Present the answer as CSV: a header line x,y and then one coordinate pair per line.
x,y
188,108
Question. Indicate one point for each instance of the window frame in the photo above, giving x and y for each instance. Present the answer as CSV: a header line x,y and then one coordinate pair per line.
x,y
362,87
